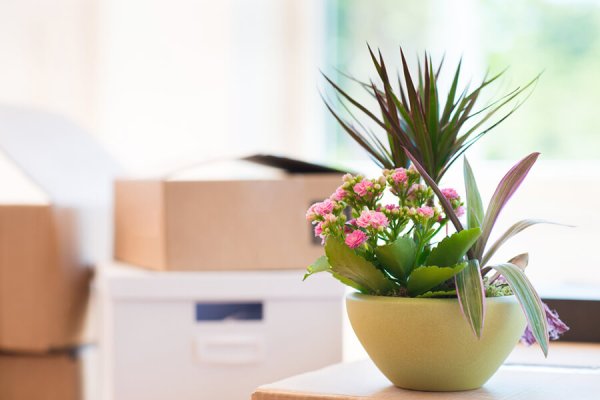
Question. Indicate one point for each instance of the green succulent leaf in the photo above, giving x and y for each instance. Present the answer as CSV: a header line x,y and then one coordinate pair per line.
x,y
346,264
453,248
349,282
320,265
398,257
425,278
471,295
475,211
530,302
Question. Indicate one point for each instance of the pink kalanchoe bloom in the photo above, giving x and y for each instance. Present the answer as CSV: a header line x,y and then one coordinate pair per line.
x,y
399,175
361,188
450,194
391,207
319,230
460,211
310,213
373,219
330,218
365,219
378,220
356,238
324,207
425,211
416,187
339,194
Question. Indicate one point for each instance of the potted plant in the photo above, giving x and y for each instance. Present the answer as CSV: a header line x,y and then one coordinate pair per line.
x,y
415,266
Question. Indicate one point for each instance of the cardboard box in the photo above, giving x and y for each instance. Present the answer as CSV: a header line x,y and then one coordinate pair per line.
x,y
54,221
40,377
43,290
212,335
200,224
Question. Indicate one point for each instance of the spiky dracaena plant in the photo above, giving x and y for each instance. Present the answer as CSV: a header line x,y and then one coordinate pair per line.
x,y
431,136
413,117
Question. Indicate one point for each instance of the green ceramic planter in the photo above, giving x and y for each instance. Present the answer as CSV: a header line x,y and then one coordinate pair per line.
x,y
426,344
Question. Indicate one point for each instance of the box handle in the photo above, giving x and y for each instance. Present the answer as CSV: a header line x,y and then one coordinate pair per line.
x,y
230,349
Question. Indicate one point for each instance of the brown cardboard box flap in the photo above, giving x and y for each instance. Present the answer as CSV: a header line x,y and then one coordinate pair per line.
x,y
43,293
45,377
55,220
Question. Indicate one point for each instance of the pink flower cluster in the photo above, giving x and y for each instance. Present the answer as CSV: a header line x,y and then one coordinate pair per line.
x,y
362,188
339,194
372,219
356,239
320,209
452,196
399,175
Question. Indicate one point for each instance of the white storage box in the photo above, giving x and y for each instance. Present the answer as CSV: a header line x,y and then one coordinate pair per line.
x,y
212,335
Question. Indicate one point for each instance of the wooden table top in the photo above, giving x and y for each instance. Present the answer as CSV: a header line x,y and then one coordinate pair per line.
x,y
572,371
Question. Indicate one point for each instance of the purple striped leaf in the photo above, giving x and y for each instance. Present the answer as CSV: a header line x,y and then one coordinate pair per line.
x,y
471,295
506,188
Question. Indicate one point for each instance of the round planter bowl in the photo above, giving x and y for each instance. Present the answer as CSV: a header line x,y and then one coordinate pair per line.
x,y
427,344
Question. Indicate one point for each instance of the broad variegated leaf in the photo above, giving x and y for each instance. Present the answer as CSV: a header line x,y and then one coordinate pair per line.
x,y
521,261
512,231
471,295
506,188
529,300
475,212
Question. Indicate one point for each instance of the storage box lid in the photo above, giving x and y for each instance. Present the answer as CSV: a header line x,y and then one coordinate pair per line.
x,y
121,281
252,167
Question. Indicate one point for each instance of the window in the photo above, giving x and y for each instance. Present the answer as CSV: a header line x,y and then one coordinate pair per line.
x,y
560,38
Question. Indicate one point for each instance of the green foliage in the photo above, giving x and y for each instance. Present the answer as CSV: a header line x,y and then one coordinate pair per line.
x,y
475,212
512,231
398,257
425,278
530,302
438,294
471,296
351,267
453,248
431,130
506,188
413,116
320,265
